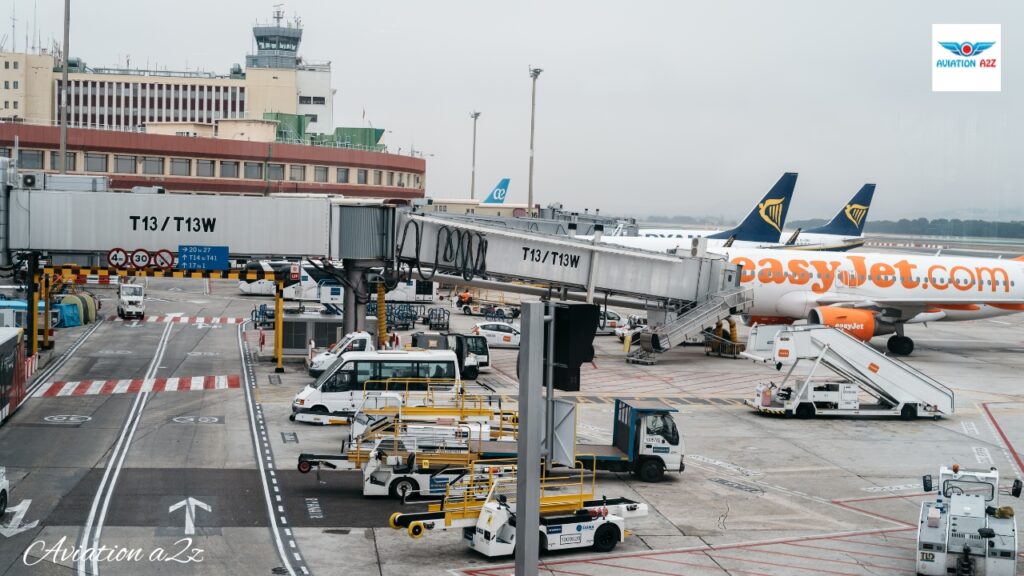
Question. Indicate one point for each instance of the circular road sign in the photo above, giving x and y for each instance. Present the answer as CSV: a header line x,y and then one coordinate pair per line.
x,y
140,258
117,257
163,259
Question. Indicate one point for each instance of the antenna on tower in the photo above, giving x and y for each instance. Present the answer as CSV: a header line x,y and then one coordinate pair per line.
x,y
278,14
14,32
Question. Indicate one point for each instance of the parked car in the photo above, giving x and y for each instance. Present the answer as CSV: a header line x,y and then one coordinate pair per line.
x,y
498,334
633,323
609,321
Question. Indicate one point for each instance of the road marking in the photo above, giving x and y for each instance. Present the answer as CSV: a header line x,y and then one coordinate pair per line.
x,y
982,455
180,319
15,527
255,412
104,387
970,428
52,369
67,419
190,504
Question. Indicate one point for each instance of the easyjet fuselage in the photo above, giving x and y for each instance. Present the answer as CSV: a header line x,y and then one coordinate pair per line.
x,y
790,284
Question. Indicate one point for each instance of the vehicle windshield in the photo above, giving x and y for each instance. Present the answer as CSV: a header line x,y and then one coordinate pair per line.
x,y
476,345
964,486
340,345
130,290
663,425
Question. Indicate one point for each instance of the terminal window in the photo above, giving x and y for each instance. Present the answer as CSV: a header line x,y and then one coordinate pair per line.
x,y
305,100
391,178
297,172
320,173
254,170
361,175
95,162
204,168
316,99
55,161
124,164
377,177
275,171
342,176
181,166
153,165
30,159
228,169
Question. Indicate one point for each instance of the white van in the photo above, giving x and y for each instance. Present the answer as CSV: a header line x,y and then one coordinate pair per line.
x,y
410,373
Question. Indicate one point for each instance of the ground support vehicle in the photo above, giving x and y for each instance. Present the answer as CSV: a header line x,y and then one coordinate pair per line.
x,y
131,301
352,342
570,516
965,531
645,441
491,311
865,382
5,491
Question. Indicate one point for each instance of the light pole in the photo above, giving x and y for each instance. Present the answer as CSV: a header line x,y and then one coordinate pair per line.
x,y
64,92
534,73
472,178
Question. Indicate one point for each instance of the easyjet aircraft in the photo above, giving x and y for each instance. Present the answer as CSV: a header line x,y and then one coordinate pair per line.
x,y
870,295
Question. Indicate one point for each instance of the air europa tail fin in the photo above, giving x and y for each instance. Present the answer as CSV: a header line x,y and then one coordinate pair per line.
x,y
765,221
497,196
851,219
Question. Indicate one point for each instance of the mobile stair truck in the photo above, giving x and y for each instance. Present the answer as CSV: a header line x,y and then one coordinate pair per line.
x,y
869,383
965,531
570,515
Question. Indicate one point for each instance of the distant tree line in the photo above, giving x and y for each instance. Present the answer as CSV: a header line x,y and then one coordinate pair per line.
x,y
937,227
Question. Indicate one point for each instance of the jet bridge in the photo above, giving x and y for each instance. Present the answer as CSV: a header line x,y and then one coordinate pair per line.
x,y
896,389
428,245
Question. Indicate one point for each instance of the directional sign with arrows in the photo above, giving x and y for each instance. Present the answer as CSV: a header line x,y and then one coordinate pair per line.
x,y
190,504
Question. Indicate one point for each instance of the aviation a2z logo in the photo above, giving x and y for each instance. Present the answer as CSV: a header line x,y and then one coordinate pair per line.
x,y
965,58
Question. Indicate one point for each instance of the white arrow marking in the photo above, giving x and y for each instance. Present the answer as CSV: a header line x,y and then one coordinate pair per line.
x,y
190,505
14,526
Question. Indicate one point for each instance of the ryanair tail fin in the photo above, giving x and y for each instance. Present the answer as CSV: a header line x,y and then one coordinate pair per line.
x,y
497,196
851,219
765,221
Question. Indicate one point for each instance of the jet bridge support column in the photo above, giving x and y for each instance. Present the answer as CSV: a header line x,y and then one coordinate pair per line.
x,y
47,345
279,324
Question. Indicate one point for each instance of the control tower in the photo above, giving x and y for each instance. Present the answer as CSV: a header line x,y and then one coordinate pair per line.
x,y
277,45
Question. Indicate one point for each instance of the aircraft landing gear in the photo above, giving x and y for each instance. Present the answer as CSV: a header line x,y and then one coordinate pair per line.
x,y
900,345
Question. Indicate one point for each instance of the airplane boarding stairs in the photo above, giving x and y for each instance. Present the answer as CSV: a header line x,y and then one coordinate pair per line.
x,y
691,323
898,388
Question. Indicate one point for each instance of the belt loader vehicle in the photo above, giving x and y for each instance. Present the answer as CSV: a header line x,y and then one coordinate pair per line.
x,y
965,531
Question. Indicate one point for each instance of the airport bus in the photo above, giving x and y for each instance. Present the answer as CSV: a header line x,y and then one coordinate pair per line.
x,y
12,371
413,375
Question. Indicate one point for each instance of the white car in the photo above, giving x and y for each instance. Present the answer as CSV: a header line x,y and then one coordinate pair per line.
x,y
498,334
609,321
633,323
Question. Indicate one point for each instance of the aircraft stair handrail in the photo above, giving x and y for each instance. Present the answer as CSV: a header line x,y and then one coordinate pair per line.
x,y
866,373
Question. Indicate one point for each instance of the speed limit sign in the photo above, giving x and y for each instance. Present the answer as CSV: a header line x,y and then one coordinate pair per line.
x,y
140,258
117,257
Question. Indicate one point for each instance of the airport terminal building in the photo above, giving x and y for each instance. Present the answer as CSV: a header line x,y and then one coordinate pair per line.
x,y
267,128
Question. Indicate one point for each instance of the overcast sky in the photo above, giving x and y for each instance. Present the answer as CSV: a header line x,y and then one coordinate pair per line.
x,y
644,107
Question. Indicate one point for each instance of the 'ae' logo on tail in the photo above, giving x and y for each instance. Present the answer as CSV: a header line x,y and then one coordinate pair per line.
x,y
771,212
856,213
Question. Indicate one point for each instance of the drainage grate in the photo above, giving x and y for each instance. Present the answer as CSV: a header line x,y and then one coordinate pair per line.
x,y
289,437
275,380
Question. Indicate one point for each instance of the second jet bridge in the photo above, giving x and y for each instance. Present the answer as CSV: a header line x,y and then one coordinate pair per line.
x,y
427,245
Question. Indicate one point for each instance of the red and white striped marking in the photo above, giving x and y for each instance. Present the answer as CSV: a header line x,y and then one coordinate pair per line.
x,y
93,387
186,319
